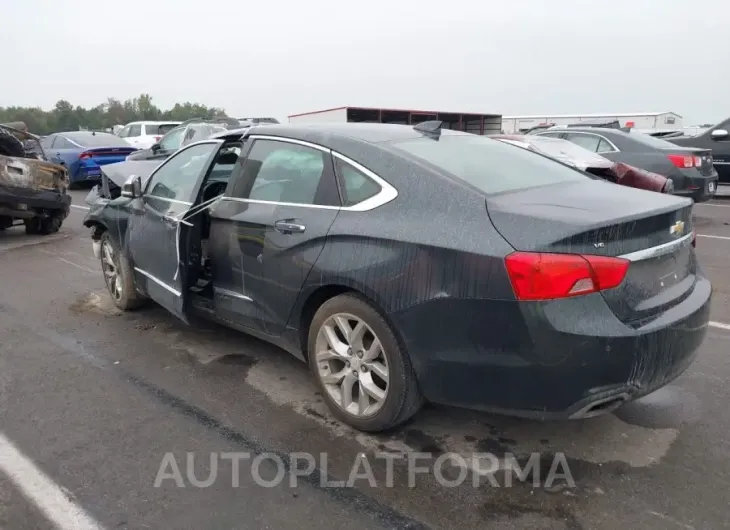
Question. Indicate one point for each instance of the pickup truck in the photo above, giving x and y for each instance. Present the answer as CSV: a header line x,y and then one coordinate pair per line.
x,y
716,138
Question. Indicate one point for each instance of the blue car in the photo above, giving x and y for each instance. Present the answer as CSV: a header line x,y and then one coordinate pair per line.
x,y
84,152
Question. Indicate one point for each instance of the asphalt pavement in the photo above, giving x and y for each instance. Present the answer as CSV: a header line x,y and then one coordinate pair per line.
x,y
133,420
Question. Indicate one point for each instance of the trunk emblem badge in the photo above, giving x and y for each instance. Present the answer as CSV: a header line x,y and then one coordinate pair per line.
x,y
677,229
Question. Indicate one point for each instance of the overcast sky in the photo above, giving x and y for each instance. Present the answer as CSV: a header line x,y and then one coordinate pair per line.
x,y
280,57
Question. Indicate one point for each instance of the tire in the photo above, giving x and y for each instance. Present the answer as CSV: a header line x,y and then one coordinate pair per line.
x,y
32,226
44,226
123,292
402,396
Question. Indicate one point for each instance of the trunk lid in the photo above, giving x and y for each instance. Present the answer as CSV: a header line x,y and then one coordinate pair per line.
x,y
107,155
652,230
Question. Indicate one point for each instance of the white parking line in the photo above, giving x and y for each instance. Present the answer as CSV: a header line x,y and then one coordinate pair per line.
x,y
712,237
79,207
715,205
720,325
42,491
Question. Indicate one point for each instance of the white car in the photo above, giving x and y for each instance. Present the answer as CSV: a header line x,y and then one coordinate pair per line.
x,y
144,134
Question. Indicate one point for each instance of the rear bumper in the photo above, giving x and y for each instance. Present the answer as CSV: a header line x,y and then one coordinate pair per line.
x,y
705,186
27,203
550,360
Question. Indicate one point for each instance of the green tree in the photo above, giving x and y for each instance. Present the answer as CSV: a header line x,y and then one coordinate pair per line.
x,y
65,117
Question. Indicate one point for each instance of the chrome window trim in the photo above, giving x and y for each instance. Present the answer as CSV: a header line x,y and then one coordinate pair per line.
x,y
277,203
659,250
158,281
613,145
386,194
290,141
567,131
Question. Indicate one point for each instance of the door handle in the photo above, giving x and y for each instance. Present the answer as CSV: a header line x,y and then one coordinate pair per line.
x,y
288,226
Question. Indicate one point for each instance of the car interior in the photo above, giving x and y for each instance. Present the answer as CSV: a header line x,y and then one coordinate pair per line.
x,y
214,185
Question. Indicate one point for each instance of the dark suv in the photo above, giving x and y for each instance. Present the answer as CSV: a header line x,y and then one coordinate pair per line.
x,y
716,139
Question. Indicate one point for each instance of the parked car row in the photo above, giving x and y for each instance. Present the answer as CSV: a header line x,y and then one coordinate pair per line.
x,y
691,169
590,162
412,264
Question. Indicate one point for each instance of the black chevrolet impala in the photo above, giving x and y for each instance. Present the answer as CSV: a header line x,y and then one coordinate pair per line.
x,y
411,264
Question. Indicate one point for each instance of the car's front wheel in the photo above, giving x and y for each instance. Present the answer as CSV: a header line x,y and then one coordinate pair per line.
x,y
118,275
364,375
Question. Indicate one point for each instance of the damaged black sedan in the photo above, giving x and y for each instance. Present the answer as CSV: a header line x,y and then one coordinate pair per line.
x,y
412,264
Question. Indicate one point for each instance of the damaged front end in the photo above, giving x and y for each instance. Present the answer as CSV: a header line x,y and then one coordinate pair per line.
x,y
106,202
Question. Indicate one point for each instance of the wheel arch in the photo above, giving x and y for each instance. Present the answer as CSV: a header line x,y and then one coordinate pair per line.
x,y
97,228
322,294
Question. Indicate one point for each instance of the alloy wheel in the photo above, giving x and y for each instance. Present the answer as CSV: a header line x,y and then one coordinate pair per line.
x,y
352,364
111,272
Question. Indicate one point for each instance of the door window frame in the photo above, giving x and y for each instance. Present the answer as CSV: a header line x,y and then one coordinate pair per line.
x,y
146,190
387,191
131,127
599,136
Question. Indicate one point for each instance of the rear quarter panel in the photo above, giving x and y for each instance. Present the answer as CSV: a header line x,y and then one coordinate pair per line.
x,y
433,241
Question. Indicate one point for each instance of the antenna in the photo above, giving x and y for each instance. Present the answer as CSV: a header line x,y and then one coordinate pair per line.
x,y
430,128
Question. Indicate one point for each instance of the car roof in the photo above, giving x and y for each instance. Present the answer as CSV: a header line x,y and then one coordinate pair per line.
x,y
81,133
605,131
366,132
152,122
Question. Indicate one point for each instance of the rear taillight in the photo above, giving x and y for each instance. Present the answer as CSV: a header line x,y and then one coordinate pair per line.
x,y
157,138
84,156
682,161
698,161
541,276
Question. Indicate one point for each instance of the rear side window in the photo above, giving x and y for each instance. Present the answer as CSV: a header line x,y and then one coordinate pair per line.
x,y
489,165
356,187
586,141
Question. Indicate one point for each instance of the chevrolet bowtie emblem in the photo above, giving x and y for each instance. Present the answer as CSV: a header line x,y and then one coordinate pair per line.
x,y
677,229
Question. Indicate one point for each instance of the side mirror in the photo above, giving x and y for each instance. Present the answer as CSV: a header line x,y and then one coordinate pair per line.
x,y
155,148
132,188
719,134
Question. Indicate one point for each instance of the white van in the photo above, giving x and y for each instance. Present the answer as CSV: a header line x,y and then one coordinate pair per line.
x,y
144,134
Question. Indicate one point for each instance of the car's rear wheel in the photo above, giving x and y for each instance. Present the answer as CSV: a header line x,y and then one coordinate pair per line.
x,y
364,375
118,275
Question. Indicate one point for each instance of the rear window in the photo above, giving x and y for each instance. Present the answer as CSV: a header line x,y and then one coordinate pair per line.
x,y
563,149
96,140
159,129
489,165
651,141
